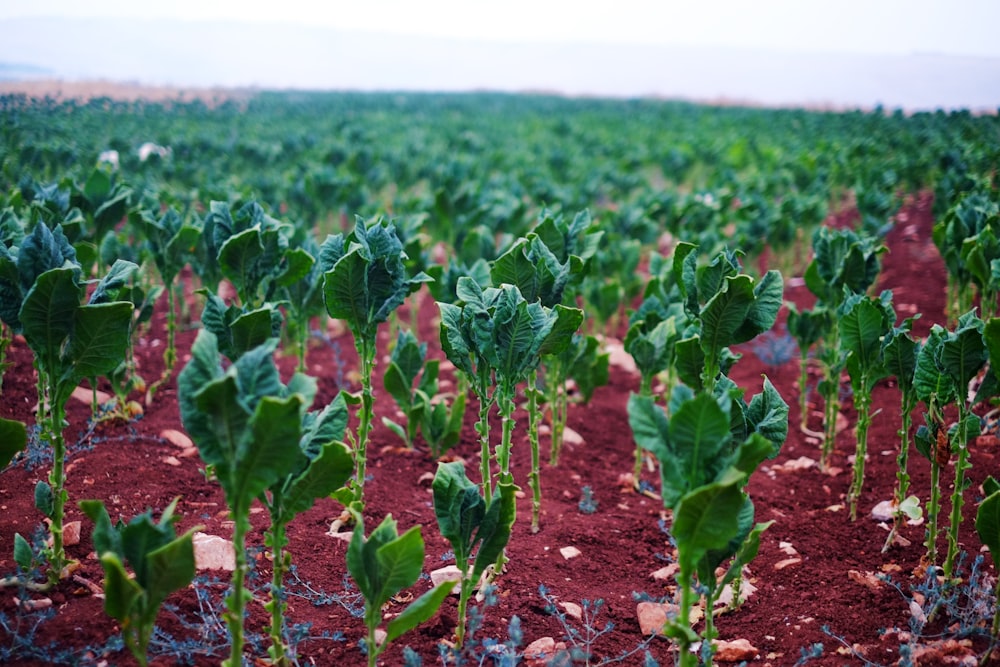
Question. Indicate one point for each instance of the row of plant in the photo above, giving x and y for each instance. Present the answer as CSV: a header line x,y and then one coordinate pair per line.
x,y
509,323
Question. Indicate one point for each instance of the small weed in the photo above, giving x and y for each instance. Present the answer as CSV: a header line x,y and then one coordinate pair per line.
x,y
587,504
481,652
775,349
350,599
581,640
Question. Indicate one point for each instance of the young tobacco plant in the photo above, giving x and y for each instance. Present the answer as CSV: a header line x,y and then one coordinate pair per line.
x,y
946,364
250,427
497,338
408,361
807,327
382,565
900,351
71,339
161,562
703,469
172,242
728,307
364,282
324,466
540,275
844,263
252,252
477,529
864,323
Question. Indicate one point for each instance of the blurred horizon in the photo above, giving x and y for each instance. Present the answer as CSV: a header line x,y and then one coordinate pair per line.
x,y
248,54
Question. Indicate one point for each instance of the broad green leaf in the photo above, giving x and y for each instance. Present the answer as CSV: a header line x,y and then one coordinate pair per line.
x,y
22,552
326,473
271,451
100,340
121,592
13,438
105,537
238,257
763,311
418,611
254,328
110,285
699,440
170,567
724,313
708,517
47,315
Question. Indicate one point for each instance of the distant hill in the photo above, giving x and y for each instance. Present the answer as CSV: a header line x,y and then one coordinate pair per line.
x,y
180,53
16,71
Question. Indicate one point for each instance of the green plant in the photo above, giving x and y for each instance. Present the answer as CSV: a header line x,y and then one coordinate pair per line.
x,y
807,327
497,338
407,362
248,427
946,364
703,469
382,565
364,281
844,263
988,528
728,307
477,529
324,466
171,242
441,426
13,438
71,341
161,562
864,323
900,353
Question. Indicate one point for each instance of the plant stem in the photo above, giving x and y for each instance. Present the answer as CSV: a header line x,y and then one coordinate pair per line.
x,y
506,404
465,592
804,389
958,493
862,400
483,429
276,605
366,354
902,466
534,477
236,603
687,659
933,509
57,480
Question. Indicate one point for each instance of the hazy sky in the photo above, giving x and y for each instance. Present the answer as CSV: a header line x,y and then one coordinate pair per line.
x,y
965,27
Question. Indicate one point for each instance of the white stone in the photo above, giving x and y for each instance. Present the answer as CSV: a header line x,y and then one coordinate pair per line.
x,y
617,356
571,437
447,573
737,650
177,438
71,533
171,461
884,511
570,552
653,616
572,609
665,573
794,465
540,652
212,552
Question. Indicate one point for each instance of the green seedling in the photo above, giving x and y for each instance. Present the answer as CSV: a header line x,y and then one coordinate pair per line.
x,y
161,563
477,529
382,565
364,282
248,427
